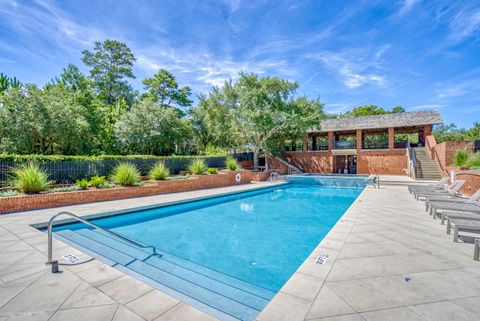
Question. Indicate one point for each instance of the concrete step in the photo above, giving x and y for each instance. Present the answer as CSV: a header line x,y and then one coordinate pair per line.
x,y
212,288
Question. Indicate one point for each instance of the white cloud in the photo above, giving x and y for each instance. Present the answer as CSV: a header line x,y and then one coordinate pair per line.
x,y
201,67
427,106
379,54
407,6
465,24
337,108
353,68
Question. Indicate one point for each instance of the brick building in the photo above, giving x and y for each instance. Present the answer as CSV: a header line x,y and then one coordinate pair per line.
x,y
363,145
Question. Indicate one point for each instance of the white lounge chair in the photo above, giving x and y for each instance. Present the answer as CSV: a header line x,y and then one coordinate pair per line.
x,y
451,189
460,215
439,185
462,225
442,199
438,208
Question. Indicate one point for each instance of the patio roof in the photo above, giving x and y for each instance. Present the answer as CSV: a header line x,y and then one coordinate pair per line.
x,y
406,119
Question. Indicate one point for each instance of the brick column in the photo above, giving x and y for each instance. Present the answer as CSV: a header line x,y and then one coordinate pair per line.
x,y
305,142
330,147
391,138
330,141
359,140
428,130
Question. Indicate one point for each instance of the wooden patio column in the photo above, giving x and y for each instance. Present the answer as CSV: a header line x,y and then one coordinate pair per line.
x,y
391,138
305,142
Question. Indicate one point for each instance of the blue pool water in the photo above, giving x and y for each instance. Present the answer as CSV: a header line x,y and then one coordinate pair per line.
x,y
243,244
333,180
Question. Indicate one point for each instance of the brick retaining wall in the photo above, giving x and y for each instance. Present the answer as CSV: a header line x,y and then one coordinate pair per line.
x,y
383,162
446,150
472,181
38,201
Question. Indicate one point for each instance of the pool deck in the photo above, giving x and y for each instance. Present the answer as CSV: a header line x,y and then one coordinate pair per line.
x,y
387,260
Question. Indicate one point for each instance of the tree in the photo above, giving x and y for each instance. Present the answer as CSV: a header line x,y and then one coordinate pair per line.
x,y
305,114
147,128
474,132
448,132
47,121
73,79
6,82
261,109
397,109
369,110
163,89
111,63
213,121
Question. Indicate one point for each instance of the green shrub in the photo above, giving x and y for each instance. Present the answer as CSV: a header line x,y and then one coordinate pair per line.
x,y
212,170
82,184
197,167
211,150
125,174
29,178
231,164
159,171
460,157
473,160
97,181
64,169
65,189
8,193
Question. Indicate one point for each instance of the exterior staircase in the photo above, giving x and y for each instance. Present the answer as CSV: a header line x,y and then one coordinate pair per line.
x,y
292,169
426,168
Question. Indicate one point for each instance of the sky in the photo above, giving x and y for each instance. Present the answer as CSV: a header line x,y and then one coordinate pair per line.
x,y
413,53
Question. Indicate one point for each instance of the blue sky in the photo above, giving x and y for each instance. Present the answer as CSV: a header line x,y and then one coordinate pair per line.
x,y
418,54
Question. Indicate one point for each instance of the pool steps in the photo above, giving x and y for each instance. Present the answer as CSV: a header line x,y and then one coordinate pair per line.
x,y
225,293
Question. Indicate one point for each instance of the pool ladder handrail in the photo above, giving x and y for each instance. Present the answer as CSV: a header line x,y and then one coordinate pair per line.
x,y
377,180
85,221
274,176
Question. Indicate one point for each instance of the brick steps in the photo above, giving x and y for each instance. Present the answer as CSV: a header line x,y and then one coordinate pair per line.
x,y
426,168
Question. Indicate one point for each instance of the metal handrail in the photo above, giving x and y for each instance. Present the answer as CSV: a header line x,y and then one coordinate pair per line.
x,y
274,176
377,180
290,167
78,218
439,163
412,157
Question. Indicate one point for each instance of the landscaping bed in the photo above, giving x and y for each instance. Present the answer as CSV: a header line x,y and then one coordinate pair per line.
x,y
26,202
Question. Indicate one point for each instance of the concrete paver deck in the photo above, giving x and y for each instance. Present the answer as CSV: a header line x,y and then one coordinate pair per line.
x,y
387,260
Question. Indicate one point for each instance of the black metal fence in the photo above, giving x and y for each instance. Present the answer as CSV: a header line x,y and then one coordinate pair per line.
x,y
69,170
244,156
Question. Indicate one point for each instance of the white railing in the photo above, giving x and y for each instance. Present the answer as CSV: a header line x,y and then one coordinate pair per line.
x,y
291,169
412,161
275,177
85,221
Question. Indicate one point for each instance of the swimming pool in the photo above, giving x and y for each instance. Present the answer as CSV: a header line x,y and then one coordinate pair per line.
x,y
335,180
227,255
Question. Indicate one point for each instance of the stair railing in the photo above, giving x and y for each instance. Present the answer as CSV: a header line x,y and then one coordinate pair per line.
x,y
85,221
291,169
412,160
432,150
